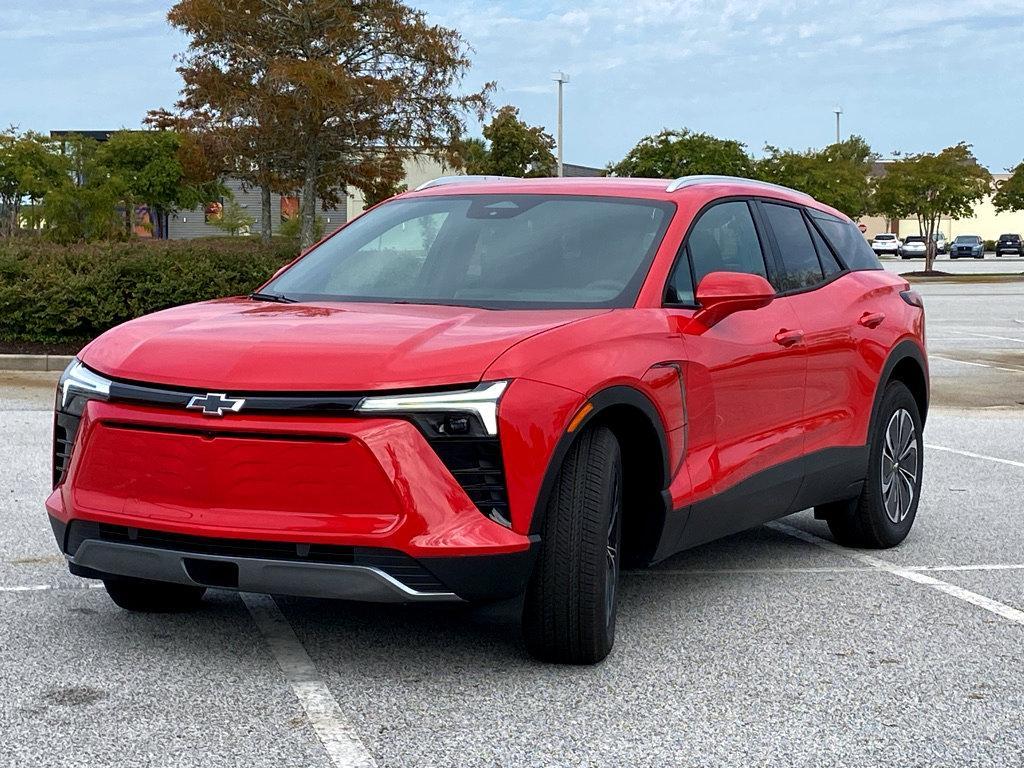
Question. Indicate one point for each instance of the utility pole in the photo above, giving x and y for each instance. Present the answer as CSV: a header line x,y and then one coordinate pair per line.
x,y
839,111
561,78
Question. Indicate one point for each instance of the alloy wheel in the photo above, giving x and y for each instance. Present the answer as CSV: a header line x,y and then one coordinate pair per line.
x,y
900,465
613,554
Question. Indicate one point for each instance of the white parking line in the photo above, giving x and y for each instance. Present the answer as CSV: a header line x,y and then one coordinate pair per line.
x,y
819,570
971,454
335,733
35,588
987,336
976,363
1007,612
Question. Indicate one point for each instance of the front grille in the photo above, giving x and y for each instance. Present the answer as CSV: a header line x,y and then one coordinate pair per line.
x,y
394,563
476,464
65,427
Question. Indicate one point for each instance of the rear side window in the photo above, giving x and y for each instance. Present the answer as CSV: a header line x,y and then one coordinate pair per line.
x,y
829,264
801,268
847,241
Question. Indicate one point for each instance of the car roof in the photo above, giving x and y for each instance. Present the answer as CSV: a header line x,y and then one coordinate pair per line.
x,y
689,187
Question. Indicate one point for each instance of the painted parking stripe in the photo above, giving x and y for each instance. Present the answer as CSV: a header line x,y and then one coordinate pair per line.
x,y
961,452
989,604
332,728
976,363
817,570
37,588
990,336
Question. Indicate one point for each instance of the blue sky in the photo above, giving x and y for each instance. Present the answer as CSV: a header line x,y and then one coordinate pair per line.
x,y
911,75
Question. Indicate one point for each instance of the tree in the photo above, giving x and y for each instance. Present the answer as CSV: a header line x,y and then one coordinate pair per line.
x,y
30,166
1010,192
83,206
510,147
674,153
929,186
144,167
345,81
233,219
838,175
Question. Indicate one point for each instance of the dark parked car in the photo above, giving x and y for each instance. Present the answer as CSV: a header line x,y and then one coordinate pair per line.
x,y
1009,244
967,246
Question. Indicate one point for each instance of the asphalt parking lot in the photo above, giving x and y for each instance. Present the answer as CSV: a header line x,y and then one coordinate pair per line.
x,y
769,647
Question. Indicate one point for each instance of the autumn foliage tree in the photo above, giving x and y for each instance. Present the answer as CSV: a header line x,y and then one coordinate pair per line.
x,y
325,92
929,186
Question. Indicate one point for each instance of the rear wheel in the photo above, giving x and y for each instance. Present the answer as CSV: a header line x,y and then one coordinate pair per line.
x,y
148,596
569,612
884,513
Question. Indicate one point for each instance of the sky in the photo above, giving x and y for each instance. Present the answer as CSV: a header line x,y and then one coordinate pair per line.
x,y
909,75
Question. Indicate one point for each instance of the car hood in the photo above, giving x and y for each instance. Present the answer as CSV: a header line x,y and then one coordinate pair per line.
x,y
239,345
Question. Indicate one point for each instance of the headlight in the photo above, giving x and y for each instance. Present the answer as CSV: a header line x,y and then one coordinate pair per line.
x,y
481,402
77,385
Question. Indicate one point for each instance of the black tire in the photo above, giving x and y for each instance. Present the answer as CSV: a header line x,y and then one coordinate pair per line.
x,y
870,520
571,600
147,596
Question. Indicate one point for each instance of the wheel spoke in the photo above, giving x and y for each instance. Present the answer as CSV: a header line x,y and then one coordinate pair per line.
x,y
907,432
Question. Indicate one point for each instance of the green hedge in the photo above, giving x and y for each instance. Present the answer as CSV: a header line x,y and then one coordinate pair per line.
x,y
55,294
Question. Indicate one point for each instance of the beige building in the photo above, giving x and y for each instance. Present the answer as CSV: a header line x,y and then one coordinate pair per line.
x,y
985,222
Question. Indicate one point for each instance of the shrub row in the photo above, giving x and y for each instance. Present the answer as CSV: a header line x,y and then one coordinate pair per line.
x,y
57,294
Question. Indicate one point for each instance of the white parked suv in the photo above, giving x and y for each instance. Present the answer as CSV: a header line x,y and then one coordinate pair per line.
x,y
886,243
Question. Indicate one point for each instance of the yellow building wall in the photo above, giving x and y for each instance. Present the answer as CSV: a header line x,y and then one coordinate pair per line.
x,y
418,169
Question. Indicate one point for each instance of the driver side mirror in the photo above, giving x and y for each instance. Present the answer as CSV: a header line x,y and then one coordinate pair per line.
x,y
720,294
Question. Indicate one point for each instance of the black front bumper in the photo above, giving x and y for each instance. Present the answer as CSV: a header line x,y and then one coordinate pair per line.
x,y
96,551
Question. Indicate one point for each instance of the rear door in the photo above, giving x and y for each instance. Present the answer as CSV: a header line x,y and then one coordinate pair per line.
x,y
840,319
745,381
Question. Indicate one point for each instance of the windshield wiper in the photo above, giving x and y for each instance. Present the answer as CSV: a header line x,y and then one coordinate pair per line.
x,y
266,296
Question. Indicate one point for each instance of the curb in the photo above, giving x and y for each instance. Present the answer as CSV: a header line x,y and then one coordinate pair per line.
x,y
12,362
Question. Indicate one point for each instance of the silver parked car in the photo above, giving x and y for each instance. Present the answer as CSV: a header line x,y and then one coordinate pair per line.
x,y
914,247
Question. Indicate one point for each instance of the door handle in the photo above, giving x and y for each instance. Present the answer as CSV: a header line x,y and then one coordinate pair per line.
x,y
789,338
872,319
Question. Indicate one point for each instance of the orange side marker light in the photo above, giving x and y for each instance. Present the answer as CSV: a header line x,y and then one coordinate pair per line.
x,y
580,415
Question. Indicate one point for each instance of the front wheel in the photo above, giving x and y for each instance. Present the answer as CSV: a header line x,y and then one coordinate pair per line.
x,y
145,595
569,612
885,511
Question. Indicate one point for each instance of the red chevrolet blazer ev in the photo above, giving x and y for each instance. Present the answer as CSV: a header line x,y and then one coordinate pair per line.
x,y
490,388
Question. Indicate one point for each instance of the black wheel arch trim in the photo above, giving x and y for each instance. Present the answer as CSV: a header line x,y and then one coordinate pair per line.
x,y
907,349
616,395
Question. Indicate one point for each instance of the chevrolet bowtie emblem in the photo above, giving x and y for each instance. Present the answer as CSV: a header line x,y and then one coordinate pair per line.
x,y
215,404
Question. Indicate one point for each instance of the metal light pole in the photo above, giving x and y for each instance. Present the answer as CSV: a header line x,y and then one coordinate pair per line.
x,y
561,78
839,111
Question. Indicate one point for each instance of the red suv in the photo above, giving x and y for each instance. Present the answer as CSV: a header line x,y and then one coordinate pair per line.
x,y
490,388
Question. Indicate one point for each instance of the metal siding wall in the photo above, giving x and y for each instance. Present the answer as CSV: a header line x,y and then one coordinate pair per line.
x,y
186,225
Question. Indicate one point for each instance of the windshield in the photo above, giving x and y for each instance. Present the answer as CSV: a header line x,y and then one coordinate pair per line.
x,y
498,251
885,237
1009,237
914,239
972,239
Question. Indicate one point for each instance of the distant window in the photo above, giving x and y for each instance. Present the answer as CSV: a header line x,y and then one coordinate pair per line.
x,y
801,268
289,207
847,241
724,239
